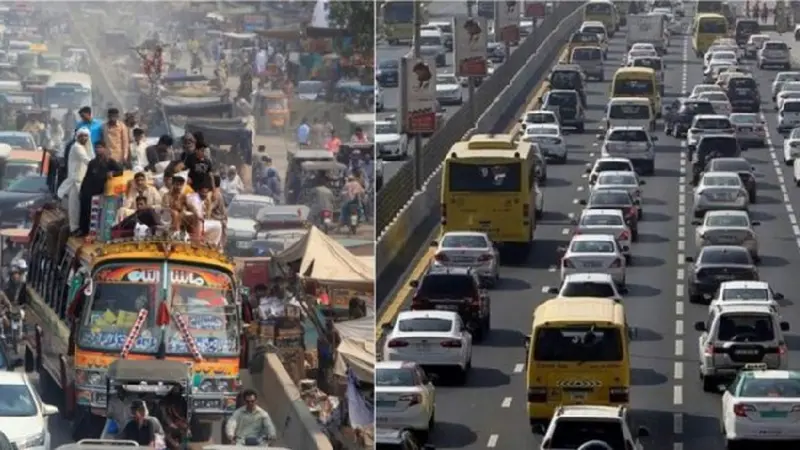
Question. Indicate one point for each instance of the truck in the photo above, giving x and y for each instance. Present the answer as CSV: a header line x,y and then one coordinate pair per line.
x,y
647,29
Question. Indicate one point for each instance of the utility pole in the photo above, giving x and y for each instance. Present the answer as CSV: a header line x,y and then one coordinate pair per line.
x,y
418,177
471,80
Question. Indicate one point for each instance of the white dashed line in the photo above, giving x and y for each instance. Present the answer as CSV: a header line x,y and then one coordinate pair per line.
x,y
518,368
492,441
680,275
776,165
506,403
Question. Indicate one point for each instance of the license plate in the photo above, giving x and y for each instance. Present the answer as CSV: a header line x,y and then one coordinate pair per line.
x,y
462,259
773,415
746,129
578,396
725,277
447,307
727,239
721,197
746,352
423,347
592,264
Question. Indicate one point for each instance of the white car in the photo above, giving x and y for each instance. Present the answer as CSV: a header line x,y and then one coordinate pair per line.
x,y
448,89
633,54
606,221
712,71
589,285
469,249
703,88
785,95
750,129
791,147
622,180
405,397
242,212
719,100
572,425
646,46
637,111
550,141
430,338
708,124
719,191
390,143
23,414
594,253
632,143
761,406
605,164
539,117
782,78
753,45
727,227
746,291
774,53
789,115
728,56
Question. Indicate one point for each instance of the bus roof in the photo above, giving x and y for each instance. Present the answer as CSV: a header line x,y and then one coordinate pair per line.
x,y
634,71
492,141
710,16
580,309
607,2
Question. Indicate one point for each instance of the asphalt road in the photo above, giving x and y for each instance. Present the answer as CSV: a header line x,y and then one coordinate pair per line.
x,y
666,395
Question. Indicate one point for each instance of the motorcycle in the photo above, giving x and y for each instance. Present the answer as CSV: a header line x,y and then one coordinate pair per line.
x,y
15,318
352,222
326,219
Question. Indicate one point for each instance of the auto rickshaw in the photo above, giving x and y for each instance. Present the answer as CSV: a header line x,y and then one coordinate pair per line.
x,y
294,160
22,163
274,113
13,245
334,174
364,121
158,383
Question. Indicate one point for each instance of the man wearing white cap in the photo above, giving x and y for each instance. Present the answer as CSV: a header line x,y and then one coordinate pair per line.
x,y
77,163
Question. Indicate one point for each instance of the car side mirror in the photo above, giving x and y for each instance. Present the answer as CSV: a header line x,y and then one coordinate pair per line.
x,y
778,296
642,432
637,201
387,326
413,283
700,326
625,248
598,136
696,223
721,388
785,326
582,202
755,223
561,249
552,290
49,410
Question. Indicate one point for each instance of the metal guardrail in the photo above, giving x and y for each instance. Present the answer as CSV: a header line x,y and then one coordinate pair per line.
x,y
397,192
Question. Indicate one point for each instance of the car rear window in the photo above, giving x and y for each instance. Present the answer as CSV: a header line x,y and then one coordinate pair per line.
x,y
447,286
745,327
395,377
425,324
611,198
725,257
464,242
587,289
602,220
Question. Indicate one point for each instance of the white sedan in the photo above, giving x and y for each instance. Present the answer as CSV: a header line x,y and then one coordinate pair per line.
x,y
594,253
783,96
712,71
782,78
606,221
550,141
608,164
23,414
405,397
448,90
702,88
469,249
645,46
728,56
622,180
634,54
791,147
720,191
390,143
719,100
727,228
746,291
539,117
438,339
589,285
761,406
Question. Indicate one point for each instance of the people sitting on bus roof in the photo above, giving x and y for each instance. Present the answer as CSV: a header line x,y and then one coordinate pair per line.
x,y
99,170
116,136
160,152
78,159
174,206
196,158
138,150
211,210
144,215
138,187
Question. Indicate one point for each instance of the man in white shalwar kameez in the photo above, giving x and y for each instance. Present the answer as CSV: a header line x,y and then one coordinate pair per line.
x,y
77,163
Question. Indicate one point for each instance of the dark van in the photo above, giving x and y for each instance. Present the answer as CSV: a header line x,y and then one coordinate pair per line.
x,y
743,94
744,29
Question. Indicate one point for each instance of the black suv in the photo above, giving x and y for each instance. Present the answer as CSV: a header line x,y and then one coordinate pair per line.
x,y
455,289
680,114
744,29
743,93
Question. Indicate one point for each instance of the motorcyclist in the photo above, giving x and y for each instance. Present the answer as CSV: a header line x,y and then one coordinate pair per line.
x,y
250,424
353,193
322,198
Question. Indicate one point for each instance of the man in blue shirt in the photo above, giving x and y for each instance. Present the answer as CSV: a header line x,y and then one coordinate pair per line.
x,y
95,126
303,133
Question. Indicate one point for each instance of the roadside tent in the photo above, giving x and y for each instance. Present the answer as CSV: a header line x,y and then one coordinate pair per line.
x,y
328,262
356,349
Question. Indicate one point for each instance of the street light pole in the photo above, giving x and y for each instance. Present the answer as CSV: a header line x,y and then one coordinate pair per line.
x,y
471,80
418,177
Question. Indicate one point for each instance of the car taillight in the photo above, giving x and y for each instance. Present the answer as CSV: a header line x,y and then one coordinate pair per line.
x,y
451,343
741,409
618,394
397,343
526,210
567,264
631,211
412,399
485,258
782,349
616,264
326,213
709,350
441,257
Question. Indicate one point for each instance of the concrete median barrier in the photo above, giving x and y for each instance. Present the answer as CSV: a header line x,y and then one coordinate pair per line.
x,y
407,233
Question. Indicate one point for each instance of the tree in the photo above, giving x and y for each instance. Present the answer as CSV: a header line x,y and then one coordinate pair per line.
x,y
358,18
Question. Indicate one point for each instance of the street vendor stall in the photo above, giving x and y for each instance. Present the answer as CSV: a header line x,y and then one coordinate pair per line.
x,y
356,349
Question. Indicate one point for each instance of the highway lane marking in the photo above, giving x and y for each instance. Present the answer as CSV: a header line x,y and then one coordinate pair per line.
x,y
492,441
506,403
787,203
518,368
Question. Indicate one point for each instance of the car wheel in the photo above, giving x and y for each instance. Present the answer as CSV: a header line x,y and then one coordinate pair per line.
x,y
710,384
628,260
788,162
695,297
539,213
753,197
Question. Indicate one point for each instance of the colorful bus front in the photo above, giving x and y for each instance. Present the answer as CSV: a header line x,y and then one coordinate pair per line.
x,y
493,194
191,316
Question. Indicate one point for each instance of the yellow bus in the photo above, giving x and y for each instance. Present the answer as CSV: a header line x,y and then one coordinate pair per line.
x,y
397,18
491,190
637,82
705,30
602,11
577,353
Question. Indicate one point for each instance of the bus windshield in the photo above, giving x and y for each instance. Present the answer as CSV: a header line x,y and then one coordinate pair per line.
x,y
578,343
713,26
633,87
67,97
398,12
485,177
119,293
204,299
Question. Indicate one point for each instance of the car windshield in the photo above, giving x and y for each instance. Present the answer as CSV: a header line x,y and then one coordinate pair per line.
x,y
633,87
793,106
242,209
784,77
712,124
540,117
721,181
17,170
775,46
714,96
629,112
399,377
730,165
23,141
28,185
603,166
653,63
586,54
389,65
727,256
464,241
593,247
744,119
466,177
446,79
745,294
762,387
573,433
751,327
385,128
727,220
561,99
447,286
419,324
723,55
740,82
587,289
590,343
432,41
16,400
600,220
627,136
617,180
610,198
